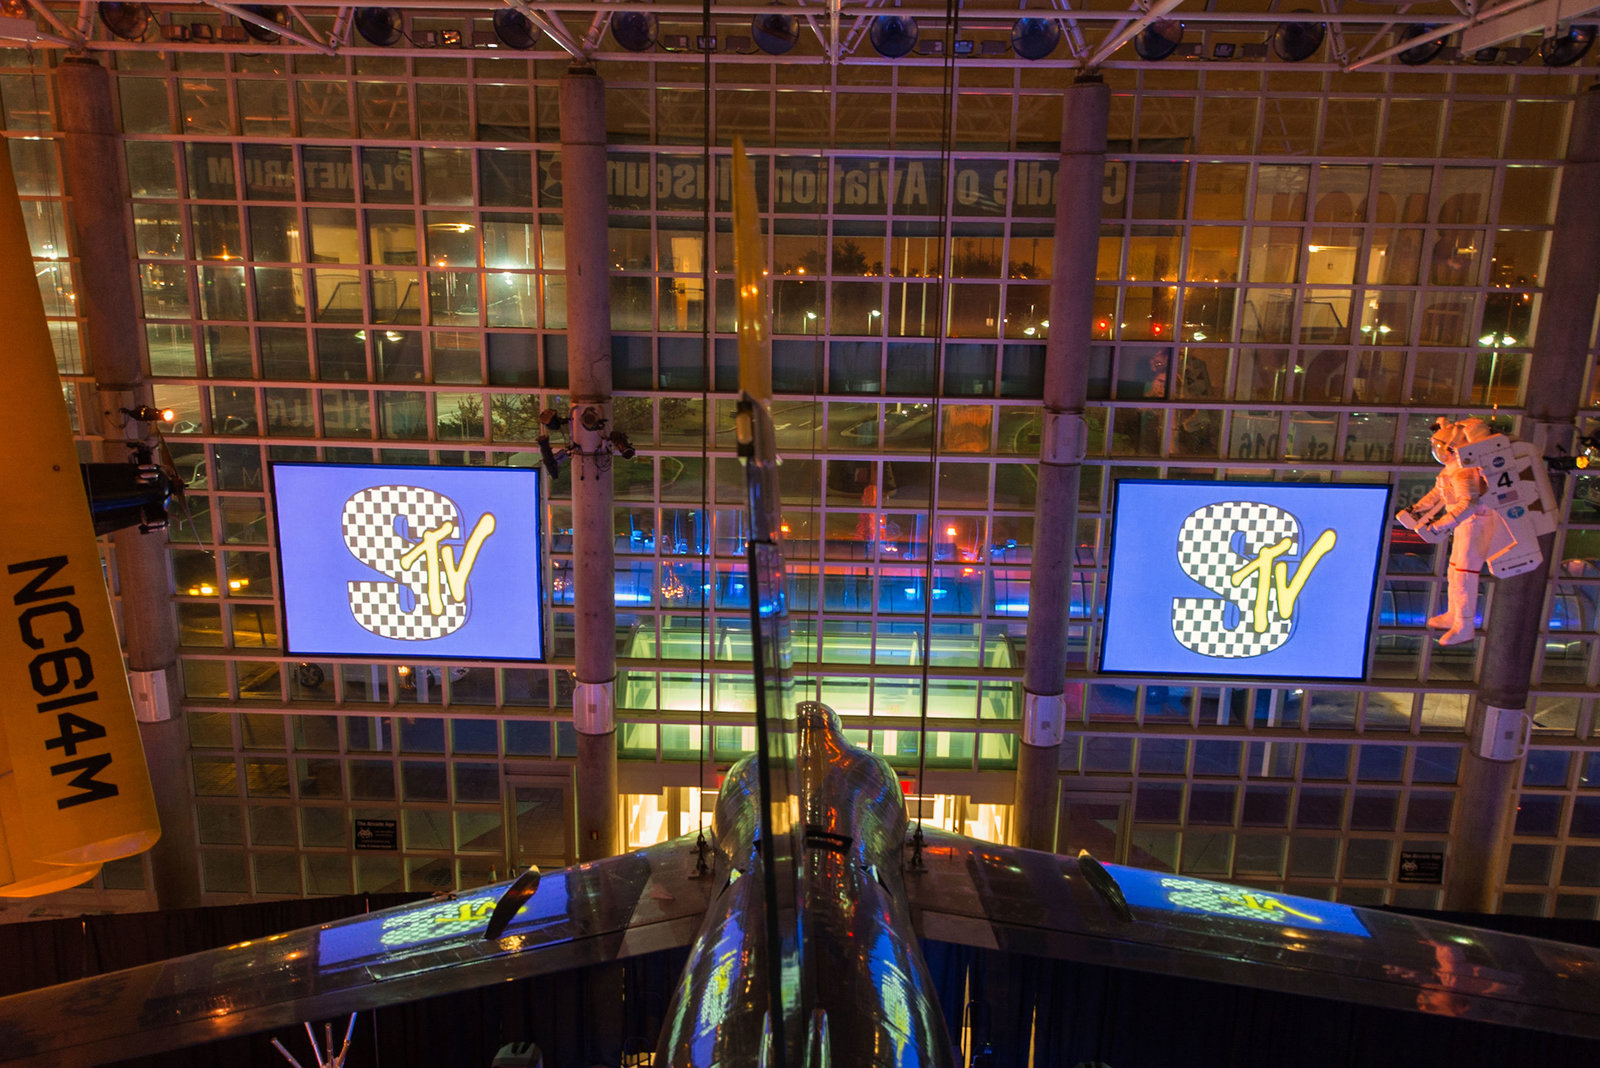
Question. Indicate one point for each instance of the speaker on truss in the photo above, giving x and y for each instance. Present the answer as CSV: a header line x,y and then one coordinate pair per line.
x,y
775,33
1035,38
266,13
380,26
1566,49
1417,55
634,30
127,21
1158,40
1296,41
514,29
893,35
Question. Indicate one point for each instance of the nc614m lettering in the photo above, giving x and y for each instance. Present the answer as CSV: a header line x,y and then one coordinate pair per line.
x,y
60,673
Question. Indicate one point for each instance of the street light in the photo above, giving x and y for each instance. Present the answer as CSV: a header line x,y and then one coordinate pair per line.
x,y
1493,341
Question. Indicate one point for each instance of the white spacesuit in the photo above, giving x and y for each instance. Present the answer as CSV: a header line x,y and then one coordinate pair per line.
x,y
1494,501
1455,507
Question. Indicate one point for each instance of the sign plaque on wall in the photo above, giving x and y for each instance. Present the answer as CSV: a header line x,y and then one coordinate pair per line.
x,y
1421,867
377,834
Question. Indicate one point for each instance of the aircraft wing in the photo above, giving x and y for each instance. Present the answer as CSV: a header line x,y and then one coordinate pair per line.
x,y
602,911
1022,901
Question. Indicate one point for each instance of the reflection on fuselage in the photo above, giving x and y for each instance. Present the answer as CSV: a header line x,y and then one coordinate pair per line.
x,y
851,966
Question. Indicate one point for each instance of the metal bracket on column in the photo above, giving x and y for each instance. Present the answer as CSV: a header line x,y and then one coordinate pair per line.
x,y
1549,438
1065,438
1503,733
152,696
1044,716
594,707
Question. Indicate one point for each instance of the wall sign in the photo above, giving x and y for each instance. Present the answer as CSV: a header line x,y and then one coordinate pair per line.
x,y
1256,579
410,563
377,834
1421,867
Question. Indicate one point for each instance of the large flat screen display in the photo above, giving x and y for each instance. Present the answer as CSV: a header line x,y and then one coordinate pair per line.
x,y
410,562
1257,579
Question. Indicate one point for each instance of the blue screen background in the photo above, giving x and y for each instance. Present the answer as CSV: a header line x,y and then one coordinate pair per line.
x,y
1329,639
506,619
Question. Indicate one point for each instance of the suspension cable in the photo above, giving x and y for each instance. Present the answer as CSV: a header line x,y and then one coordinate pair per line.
x,y
707,581
941,303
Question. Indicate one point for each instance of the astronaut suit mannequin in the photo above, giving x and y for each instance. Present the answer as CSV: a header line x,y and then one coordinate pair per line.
x,y
1456,497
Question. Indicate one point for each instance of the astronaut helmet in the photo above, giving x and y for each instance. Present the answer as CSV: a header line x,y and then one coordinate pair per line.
x,y
1449,436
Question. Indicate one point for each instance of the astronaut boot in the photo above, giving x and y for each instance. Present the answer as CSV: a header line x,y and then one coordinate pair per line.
x,y
1442,620
1463,608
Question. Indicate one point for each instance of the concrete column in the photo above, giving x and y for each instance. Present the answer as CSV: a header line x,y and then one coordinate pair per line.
x,y
1085,107
583,183
93,172
1492,766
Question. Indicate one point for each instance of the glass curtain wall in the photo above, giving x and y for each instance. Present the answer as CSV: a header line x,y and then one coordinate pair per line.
x,y
1297,272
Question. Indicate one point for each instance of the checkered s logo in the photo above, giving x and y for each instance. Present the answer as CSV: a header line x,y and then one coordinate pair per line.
x,y
412,535
1237,549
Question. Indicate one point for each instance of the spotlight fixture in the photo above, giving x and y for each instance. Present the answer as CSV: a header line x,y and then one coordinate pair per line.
x,y
1158,40
551,419
621,445
1035,38
514,29
548,456
1417,55
1566,49
127,21
1296,41
266,13
380,26
634,30
893,36
145,413
591,420
774,33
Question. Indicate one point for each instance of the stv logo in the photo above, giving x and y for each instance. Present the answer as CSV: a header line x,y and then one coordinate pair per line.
x,y
1240,551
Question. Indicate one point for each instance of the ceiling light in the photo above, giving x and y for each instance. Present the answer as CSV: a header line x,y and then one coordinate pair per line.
x,y
1158,40
514,29
893,35
1566,49
1035,38
379,25
634,30
1296,41
1417,55
127,21
775,33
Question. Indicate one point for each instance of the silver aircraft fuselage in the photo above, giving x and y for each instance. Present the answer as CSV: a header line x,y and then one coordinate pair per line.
x,y
856,989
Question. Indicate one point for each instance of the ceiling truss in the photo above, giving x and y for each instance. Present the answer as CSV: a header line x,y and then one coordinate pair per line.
x,y
834,31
